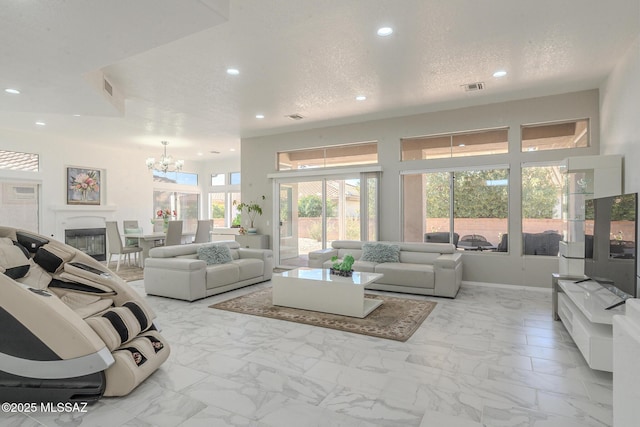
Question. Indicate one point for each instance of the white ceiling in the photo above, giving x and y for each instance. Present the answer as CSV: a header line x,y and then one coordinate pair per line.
x,y
168,59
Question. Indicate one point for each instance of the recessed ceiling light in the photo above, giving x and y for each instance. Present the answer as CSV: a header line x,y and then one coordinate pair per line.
x,y
233,71
12,91
76,115
232,149
259,116
199,153
500,73
360,98
385,31
41,123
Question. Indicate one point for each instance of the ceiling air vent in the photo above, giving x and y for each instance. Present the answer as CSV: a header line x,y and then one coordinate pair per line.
x,y
295,116
107,87
471,87
214,152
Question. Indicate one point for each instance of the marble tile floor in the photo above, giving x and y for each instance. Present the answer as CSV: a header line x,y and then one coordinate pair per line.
x,y
491,357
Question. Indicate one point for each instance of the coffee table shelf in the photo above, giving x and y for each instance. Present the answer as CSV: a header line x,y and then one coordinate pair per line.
x,y
317,289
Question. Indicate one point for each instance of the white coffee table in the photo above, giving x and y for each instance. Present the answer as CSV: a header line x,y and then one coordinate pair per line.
x,y
318,290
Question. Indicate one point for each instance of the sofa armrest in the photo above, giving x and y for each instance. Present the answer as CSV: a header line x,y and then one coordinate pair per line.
x,y
181,278
448,274
175,263
318,258
448,260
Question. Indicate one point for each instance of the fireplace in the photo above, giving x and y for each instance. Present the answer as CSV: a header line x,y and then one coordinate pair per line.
x,y
91,241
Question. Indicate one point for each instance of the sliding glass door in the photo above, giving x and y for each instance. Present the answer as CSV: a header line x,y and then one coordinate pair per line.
x,y
314,212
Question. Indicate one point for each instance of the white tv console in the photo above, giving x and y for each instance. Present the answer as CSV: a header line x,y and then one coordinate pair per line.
x,y
581,308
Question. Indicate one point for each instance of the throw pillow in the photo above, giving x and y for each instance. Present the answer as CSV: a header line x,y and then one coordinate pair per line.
x,y
214,254
380,252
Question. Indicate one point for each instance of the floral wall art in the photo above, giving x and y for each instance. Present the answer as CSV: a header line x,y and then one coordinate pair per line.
x,y
83,186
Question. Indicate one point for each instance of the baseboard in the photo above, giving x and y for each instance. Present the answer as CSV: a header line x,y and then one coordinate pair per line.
x,y
506,286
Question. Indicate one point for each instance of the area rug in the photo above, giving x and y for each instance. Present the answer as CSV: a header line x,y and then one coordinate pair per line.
x,y
126,272
396,319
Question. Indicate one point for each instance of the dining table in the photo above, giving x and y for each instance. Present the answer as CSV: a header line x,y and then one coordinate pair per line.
x,y
147,241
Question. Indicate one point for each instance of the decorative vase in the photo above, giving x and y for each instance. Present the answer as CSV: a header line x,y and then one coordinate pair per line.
x,y
343,273
165,225
252,230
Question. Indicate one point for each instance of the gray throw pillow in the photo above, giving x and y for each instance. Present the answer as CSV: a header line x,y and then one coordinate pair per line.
x,y
214,254
380,252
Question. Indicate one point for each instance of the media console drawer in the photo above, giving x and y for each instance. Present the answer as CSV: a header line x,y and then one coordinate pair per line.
x,y
595,340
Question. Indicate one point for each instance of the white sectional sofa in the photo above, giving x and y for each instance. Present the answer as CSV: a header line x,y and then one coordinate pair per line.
x,y
422,268
176,271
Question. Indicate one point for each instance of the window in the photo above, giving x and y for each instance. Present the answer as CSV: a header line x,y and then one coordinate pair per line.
x,y
541,209
218,179
234,178
16,161
465,144
555,136
184,178
221,209
469,208
184,204
340,155
19,205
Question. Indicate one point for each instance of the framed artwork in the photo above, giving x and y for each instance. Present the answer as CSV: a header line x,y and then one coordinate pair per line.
x,y
84,186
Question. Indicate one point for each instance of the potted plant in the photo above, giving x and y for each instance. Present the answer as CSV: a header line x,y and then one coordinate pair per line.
x,y
252,209
343,268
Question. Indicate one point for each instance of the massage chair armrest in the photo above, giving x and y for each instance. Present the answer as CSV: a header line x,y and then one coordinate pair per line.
x,y
319,257
47,319
187,264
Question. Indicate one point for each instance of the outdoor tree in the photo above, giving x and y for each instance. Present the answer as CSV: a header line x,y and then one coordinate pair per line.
x,y
311,207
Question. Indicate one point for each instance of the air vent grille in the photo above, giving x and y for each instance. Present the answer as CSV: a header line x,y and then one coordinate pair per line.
x,y
108,88
295,116
471,87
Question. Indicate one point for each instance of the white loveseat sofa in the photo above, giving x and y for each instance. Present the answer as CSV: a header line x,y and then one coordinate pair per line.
x,y
176,271
423,268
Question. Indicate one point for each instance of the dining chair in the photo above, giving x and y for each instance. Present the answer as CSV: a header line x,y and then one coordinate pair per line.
x,y
174,234
158,225
203,232
131,226
115,246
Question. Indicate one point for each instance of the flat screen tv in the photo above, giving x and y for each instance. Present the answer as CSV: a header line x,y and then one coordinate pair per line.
x,y
611,231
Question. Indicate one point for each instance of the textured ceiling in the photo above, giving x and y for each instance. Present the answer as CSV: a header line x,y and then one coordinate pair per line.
x,y
167,61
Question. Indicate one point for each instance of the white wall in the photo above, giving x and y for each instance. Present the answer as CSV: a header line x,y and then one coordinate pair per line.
x,y
127,183
620,115
259,159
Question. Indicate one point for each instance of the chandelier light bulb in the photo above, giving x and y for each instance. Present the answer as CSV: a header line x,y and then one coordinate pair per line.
x,y
166,162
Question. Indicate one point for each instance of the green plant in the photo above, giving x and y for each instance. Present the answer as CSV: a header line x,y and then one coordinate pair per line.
x,y
345,265
252,209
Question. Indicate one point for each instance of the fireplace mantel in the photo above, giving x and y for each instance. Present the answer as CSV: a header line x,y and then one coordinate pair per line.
x,y
80,216
83,208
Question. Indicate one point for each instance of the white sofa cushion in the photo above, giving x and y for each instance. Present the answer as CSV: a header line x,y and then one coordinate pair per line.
x,y
250,267
222,274
406,274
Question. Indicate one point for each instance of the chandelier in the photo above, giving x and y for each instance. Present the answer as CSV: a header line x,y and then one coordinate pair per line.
x,y
166,162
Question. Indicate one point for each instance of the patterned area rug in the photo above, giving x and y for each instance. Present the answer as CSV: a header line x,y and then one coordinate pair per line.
x,y
396,319
126,273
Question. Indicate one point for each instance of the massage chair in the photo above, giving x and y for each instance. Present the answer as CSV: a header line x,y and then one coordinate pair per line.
x,y
70,330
